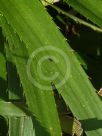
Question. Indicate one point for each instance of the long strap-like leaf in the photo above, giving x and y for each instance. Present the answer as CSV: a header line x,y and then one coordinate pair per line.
x,y
41,104
91,9
36,29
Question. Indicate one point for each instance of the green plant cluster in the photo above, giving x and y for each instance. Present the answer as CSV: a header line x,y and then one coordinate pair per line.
x,y
50,68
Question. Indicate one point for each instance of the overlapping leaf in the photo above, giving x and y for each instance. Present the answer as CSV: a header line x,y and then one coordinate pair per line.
x,y
90,9
36,29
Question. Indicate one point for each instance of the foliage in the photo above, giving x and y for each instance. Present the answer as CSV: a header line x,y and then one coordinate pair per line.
x,y
49,58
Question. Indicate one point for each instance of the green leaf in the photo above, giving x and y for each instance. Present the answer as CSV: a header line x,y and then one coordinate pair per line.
x,y
37,100
90,9
19,123
36,29
21,126
10,109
